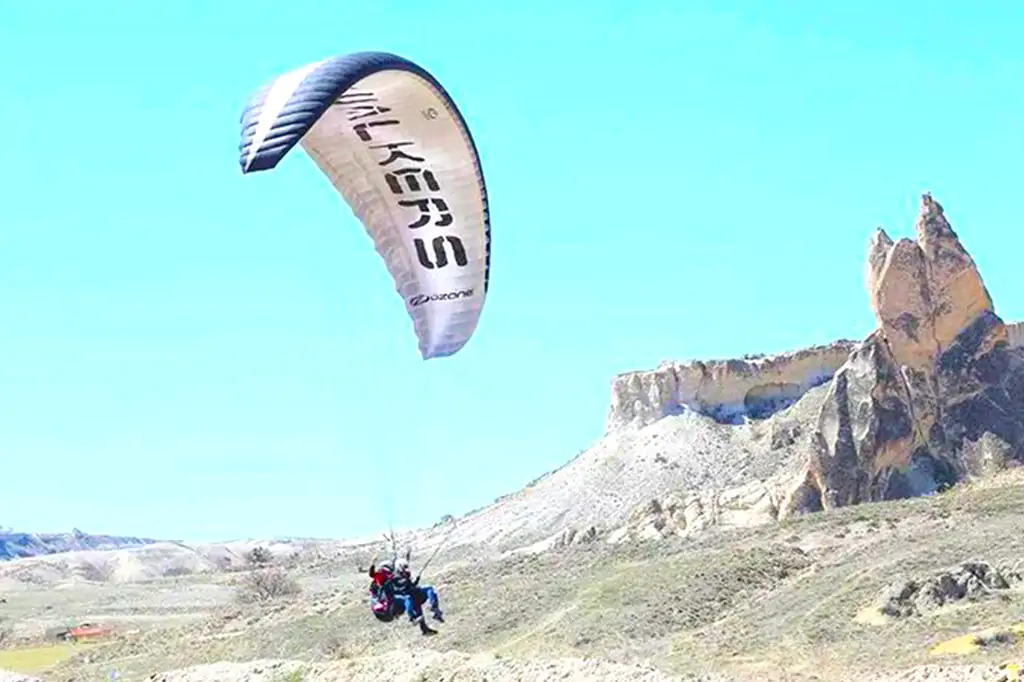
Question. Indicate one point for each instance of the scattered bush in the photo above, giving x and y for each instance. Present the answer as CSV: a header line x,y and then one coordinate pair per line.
x,y
266,584
259,556
177,571
103,569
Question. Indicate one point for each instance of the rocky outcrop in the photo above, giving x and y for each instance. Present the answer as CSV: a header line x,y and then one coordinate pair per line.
x,y
681,515
726,390
931,396
576,536
970,580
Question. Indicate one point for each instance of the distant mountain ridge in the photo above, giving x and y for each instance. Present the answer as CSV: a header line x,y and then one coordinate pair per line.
x,y
15,545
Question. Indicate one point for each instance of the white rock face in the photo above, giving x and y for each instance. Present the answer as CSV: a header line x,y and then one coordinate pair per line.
x,y
726,390
753,504
685,454
1016,333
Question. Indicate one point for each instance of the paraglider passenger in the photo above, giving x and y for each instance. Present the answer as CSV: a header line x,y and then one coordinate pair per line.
x,y
380,574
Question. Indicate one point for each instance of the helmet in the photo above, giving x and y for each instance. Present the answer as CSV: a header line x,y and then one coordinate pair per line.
x,y
402,565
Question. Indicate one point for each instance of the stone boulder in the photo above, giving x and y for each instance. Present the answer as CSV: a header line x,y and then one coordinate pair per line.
x,y
576,536
968,581
933,395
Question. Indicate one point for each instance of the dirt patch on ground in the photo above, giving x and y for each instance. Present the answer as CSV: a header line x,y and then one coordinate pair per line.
x,y
418,667
8,676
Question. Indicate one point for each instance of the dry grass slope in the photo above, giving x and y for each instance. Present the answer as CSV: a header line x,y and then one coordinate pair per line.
x,y
792,601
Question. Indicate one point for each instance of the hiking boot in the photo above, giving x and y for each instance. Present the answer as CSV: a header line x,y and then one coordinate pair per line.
x,y
438,616
426,629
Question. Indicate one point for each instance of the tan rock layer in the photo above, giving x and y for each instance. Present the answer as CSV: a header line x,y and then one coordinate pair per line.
x,y
926,291
724,389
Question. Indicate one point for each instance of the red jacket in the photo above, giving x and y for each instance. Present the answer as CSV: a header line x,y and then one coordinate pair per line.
x,y
380,575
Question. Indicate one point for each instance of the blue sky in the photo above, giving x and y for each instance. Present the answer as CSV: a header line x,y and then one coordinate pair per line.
x,y
189,353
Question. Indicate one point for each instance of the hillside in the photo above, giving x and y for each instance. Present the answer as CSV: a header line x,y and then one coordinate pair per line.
x,y
799,600
14,545
833,513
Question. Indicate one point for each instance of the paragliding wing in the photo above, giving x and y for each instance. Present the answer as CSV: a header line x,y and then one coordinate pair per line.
x,y
394,145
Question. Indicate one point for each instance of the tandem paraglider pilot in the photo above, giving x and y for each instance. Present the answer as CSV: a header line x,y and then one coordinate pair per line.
x,y
394,591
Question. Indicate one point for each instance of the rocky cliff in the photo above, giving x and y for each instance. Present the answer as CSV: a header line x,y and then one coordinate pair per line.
x,y
19,545
726,390
1015,334
934,395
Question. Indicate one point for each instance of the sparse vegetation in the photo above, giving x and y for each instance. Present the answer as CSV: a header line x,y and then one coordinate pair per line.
x,y
776,600
264,584
259,556
788,598
297,675
100,570
177,571
996,637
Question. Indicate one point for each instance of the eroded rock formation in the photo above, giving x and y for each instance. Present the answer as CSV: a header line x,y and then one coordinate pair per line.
x,y
935,387
726,390
683,514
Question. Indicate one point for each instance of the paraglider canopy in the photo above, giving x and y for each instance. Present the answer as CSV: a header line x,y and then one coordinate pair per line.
x,y
391,141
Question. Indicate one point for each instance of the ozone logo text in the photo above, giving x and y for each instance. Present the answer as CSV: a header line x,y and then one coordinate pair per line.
x,y
420,299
